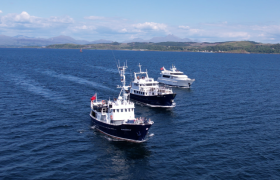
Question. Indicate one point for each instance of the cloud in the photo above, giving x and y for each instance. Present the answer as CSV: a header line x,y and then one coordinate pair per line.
x,y
24,17
94,17
242,35
273,29
184,27
124,30
1,11
24,20
120,29
225,31
191,30
63,20
83,27
25,24
150,26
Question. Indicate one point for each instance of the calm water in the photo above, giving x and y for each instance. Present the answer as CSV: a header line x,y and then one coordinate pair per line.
x,y
227,126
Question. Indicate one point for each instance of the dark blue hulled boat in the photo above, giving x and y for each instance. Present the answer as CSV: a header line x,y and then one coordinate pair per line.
x,y
147,91
116,118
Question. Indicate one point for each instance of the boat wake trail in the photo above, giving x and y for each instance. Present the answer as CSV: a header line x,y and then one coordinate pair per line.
x,y
35,88
111,139
105,69
75,79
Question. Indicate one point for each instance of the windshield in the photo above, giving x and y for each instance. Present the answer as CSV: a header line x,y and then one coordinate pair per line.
x,y
177,73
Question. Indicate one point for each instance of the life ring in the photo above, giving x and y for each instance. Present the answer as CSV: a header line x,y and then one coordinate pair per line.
x,y
103,102
111,117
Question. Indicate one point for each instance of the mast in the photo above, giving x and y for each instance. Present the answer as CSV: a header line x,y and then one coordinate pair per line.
x,y
123,95
140,67
140,72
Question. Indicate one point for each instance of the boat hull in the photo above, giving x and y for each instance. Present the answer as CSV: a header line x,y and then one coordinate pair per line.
x,y
178,83
155,101
128,132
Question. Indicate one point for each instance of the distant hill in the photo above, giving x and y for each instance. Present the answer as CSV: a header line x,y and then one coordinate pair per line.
x,y
166,43
219,47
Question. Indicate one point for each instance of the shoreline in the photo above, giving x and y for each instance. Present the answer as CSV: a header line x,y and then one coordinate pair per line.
x,y
224,52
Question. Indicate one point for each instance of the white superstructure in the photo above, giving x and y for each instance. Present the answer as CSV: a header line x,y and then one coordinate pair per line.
x,y
114,112
174,77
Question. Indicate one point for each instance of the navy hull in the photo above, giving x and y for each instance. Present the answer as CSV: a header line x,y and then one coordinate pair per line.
x,y
155,101
128,132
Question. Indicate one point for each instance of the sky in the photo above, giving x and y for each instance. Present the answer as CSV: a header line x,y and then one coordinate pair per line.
x,y
120,20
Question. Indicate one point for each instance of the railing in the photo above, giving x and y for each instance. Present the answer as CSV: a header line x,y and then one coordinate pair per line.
x,y
123,103
139,121
160,90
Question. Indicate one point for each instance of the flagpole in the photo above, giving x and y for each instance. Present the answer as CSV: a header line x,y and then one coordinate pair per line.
x,y
96,98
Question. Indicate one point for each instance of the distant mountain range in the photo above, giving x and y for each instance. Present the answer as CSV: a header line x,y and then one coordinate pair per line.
x,y
21,40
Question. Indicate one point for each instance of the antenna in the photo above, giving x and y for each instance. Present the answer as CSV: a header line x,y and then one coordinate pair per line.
x,y
131,79
123,92
139,67
114,58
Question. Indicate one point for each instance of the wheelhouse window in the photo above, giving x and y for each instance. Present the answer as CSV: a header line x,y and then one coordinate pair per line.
x,y
177,73
113,110
125,110
117,110
165,76
121,110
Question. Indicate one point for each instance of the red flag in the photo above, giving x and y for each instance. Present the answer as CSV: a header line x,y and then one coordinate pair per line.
x,y
93,97
161,68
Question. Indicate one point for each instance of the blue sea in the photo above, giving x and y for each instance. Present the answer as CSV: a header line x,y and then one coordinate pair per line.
x,y
227,126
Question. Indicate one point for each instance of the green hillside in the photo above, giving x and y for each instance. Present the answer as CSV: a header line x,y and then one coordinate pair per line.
x,y
219,47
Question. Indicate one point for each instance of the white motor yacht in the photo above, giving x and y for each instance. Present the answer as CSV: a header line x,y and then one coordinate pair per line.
x,y
173,77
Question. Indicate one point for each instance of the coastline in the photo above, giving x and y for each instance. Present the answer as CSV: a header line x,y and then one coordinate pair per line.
x,y
235,47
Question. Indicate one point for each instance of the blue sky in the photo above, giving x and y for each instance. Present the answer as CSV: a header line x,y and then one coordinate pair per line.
x,y
201,20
